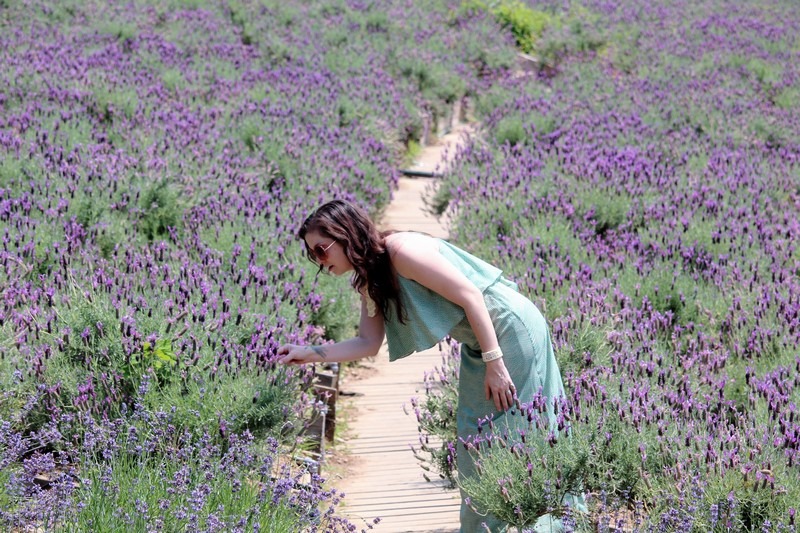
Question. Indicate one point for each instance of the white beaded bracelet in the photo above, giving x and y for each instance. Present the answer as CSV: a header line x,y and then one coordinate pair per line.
x,y
491,355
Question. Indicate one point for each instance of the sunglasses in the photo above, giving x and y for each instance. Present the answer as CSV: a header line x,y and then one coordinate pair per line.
x,y
319,253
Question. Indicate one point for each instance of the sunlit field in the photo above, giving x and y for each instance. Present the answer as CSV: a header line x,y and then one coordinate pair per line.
x,y
639,179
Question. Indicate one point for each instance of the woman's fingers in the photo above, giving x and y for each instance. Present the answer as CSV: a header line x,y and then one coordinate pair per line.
x,y
508,399
499,387
504,398
497,396
287,351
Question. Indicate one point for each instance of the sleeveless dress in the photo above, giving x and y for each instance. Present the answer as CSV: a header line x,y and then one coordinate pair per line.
x,y
523,336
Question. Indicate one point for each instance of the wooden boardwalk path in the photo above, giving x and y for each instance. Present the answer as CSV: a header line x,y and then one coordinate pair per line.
x,y
386,479
389,482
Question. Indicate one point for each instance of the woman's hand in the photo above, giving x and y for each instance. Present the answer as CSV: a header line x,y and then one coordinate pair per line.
x,y
294,354
498,385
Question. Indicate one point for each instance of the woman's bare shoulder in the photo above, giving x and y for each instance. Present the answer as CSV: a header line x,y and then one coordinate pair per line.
x,y
404,241
410,252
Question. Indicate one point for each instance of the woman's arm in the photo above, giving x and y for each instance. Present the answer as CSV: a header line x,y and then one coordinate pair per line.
x,y
367,343
417,257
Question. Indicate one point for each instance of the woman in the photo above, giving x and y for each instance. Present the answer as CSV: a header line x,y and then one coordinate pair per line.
x,y
416,290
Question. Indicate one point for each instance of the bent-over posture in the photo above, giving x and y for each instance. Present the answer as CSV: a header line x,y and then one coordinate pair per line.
x,y
416,290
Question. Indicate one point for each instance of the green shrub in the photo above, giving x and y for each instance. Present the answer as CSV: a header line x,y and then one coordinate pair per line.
x,y
88,211
520,481
120,30
376,21
56,386
169,6
547,36
667,290
158,357
77,132
737,390
238,13
13,173
510,131
616,464
172,79
787,98
338,311
62,12
414,125
232,402
697,164
288,14
625,59
348,112
417,71
543,124
241,19
91,329
413,150
160,211
96,339
582,27
489,101
486,60
468,7
112,103
275,50
525,23
91,370
335,37
607,212
450,87
587,348
439,202
770,133
266,414
273,150
436,420
251,133
6,500
108,237
766,74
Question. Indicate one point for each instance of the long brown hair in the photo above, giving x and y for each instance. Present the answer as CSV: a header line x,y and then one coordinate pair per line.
x,y
365,248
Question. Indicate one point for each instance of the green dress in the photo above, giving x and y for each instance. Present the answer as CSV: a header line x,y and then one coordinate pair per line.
x,y
523,336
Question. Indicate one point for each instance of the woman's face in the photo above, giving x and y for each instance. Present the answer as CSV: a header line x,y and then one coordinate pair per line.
x,y
329,253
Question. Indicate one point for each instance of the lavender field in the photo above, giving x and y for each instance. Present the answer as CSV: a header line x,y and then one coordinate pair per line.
x,y
641,184
156,160
645,192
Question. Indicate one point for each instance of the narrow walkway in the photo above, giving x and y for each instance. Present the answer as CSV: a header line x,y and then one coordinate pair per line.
x,y
386,480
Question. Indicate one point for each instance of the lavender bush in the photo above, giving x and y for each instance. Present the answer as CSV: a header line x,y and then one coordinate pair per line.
x,y
555,463
436,419
144,474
